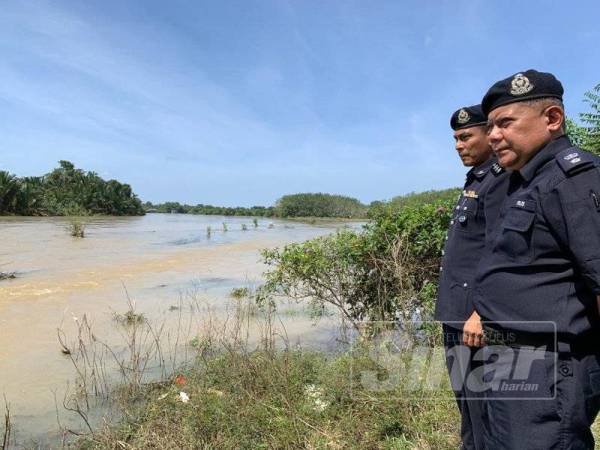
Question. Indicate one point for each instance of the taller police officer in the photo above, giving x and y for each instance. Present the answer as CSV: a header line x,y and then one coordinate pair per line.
x,y
477,208
541,273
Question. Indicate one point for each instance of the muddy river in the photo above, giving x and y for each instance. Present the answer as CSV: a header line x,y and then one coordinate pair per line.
x,y
155,261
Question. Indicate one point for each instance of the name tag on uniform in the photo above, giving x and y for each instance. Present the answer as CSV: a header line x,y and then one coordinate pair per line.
x,y
526,204
470,194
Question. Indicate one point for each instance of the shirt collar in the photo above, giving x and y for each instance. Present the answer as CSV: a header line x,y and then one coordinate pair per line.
x,y
547,153
481,170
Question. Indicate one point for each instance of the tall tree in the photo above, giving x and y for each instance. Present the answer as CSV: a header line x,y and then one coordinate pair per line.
x,y
592,120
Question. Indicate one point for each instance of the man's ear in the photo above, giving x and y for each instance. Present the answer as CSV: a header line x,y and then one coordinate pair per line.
x,y
555,118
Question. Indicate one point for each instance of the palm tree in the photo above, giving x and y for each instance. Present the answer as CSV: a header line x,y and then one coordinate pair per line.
x,y
9,186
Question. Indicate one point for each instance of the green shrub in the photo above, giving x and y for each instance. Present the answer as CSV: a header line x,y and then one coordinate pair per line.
x,y
386,272
319,205
240,292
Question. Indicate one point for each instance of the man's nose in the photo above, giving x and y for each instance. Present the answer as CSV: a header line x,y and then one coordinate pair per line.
x,y
494,134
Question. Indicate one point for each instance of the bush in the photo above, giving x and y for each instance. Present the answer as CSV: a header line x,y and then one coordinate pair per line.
x,y
319,205
386,272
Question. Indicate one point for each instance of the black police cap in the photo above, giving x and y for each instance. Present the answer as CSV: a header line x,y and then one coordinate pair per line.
x,y
469,116
521,86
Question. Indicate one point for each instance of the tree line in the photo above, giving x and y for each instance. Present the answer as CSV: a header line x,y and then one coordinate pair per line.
x,y
293,205
66,191
210,210
70,191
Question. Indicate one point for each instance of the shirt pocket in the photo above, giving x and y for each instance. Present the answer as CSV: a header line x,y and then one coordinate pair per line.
x,y
466,215
516,237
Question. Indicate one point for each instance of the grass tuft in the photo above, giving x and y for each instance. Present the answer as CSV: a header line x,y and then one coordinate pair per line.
x,y
240,292
129,318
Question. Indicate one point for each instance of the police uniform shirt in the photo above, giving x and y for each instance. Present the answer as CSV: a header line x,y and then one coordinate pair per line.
x,y
544,261
476,210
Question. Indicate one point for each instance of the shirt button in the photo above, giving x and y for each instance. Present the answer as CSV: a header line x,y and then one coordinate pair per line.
x,y
565,370
457,207
462,219
441,269
465,284
443,252
452,222
465,208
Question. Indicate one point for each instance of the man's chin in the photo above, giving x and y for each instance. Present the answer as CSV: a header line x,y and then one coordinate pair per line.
x,y
505,158
507,162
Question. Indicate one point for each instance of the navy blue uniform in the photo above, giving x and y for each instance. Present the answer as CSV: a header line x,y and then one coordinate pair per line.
x,y
543,264
473,217
476,210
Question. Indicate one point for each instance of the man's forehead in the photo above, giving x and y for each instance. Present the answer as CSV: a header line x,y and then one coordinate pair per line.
x,y
468,131
512,109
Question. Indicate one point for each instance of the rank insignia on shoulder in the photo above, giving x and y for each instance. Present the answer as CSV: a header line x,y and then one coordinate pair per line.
x,y
470,194
497,169
571,161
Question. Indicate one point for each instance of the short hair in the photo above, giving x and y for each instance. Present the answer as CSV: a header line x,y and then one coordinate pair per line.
x,y
545,102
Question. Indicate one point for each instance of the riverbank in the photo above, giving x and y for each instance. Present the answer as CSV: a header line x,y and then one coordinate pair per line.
x,y
279,400
157,260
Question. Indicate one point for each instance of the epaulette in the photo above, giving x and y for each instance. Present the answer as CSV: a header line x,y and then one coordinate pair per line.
x,y
497,169
572,160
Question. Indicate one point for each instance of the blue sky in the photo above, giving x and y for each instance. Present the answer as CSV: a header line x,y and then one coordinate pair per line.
x,y
240,102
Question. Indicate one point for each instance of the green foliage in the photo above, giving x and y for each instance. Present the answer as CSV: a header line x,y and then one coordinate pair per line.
x,y
577,134
386,272
592,119
64,190
283,400
209,210
240,292
77,228
129,318
414,199
319,205
587,136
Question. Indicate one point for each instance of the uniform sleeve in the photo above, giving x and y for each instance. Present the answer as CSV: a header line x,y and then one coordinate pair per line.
x,y
573,212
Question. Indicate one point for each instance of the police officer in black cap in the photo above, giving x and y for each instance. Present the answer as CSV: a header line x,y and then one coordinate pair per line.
x,y
539,278
477,208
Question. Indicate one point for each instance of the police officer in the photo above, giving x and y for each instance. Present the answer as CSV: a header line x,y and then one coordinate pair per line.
x,y
539,277
477,208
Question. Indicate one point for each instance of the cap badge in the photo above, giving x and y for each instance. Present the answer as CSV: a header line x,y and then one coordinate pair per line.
x,y
520,85
463,116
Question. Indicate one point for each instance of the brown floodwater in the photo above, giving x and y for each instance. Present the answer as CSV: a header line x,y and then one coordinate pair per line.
x,y
155,261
